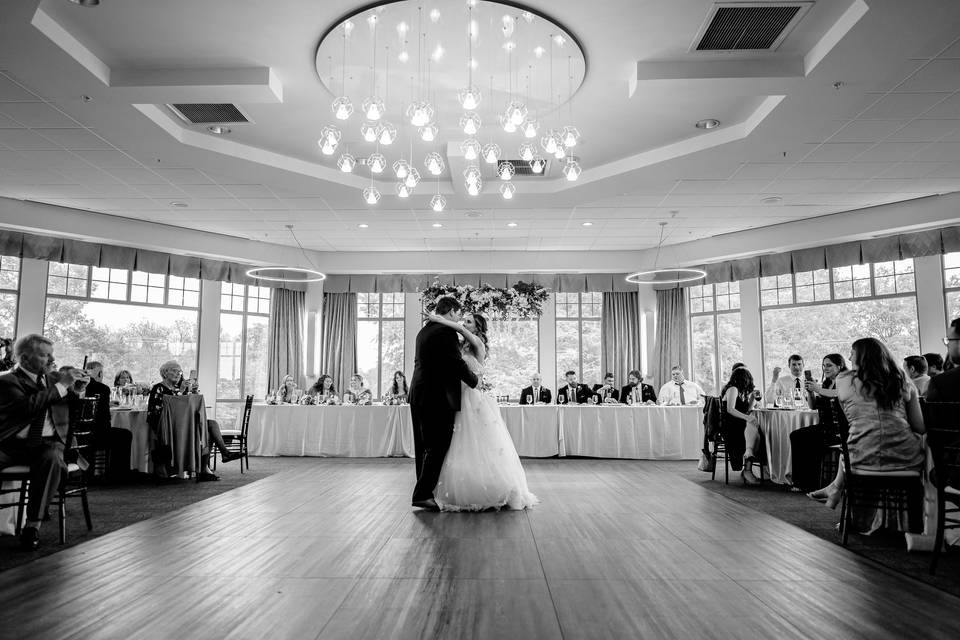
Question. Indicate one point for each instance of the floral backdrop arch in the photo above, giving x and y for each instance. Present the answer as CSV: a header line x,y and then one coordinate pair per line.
x,y
523,301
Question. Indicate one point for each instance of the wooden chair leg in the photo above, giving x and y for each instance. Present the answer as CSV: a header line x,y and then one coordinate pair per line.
x,y
846,519
22,507
63,518
941,523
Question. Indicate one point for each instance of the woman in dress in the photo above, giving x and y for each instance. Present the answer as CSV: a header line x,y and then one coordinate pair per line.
x,y
323,391
358,392
883,409
740,432
287,392
482,469
397,394
808,445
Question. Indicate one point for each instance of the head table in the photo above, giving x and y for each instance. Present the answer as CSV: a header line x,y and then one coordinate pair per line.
x,y
620,431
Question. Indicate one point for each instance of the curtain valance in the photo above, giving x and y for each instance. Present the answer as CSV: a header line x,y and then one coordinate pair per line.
x,y
92,254
414,283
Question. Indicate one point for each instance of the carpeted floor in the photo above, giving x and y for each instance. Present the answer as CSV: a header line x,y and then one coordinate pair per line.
x,y
116,506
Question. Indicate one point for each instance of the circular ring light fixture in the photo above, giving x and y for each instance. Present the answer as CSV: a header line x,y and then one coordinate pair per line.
x,y
288,275
666,276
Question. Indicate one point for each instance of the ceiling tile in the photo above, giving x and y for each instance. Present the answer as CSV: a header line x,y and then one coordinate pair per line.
x,y
925,131
184,176
892,151
36,115
937,75
75,138
760,170
25,139
943,151
10,91
901,105
109,159
51,159
834,152
866,130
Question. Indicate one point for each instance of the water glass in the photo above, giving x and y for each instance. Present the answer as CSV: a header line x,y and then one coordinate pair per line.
x,y
529,398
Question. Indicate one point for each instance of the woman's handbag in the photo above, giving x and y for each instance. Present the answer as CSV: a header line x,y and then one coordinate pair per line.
x,y
707,462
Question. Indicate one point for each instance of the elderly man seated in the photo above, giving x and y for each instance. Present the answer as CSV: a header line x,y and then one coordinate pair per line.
x,y
680,391
536,393
172,383
34,421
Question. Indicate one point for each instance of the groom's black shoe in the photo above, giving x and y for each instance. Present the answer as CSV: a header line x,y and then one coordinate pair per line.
x,y
429,504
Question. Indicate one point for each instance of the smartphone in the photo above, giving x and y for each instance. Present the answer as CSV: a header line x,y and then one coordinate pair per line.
x,y
807,375
193,374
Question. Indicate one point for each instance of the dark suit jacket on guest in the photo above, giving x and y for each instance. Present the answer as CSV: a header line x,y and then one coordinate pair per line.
x,y
613,393
22,400
581,396
102,419
438,369
545,395
646,393
944,387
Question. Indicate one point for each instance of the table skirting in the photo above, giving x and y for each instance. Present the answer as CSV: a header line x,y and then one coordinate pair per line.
x,y
649,433
135,421
777,425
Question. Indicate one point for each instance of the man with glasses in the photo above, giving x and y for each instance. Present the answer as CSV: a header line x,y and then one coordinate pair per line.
x,y
946,386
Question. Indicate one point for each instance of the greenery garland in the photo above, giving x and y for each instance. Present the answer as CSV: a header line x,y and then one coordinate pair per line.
x,y
521,301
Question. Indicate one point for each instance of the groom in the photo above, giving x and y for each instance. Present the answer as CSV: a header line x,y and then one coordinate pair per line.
x,y
434,398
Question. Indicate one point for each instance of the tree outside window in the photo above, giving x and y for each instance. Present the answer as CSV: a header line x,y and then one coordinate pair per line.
x,y
9,288
513,355
715,336
242,363
379,339
578,335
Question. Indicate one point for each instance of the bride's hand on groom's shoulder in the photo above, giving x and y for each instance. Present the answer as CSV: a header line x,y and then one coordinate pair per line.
x,y
431,317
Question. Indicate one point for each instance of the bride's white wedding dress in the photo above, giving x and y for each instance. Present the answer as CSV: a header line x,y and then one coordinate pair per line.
x,y
482,468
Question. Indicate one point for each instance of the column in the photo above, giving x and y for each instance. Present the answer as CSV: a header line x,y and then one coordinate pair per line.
x,y
208,344
547,344
412,321
931,306
31,305
312,329
647,302
750,330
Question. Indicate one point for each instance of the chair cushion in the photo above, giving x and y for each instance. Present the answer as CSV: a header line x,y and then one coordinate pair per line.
x,y
885,474
15,470
230,432
73,467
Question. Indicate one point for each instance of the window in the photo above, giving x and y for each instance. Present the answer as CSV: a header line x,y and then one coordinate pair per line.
x,y
242,363
578,335
126,320
833,307
715,337
951,284
513,357
379,339
9,287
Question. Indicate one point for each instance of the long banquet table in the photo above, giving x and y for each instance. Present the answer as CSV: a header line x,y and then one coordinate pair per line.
x,y
644,432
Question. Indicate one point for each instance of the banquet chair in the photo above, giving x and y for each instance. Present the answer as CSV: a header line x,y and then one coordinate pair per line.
x,y
236,439
76,454
876,489
942,420
19,476
720,449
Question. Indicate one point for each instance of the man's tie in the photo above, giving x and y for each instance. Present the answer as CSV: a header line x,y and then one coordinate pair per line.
x,y
536,395
682,399
797,385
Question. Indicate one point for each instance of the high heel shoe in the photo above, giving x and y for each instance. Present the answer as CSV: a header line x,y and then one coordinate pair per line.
x,y
748,477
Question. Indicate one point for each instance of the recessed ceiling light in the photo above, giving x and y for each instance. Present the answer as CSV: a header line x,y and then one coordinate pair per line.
x,y
473,214
586,224
437,225
772,200
179,205
86,3
362,225
218,130
511,224
708,123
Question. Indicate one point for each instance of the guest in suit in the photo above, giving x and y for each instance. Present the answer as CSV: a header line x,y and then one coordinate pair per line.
x,y
115,441
438,369
536,392
34,421
916,368
573,392
946,386
784,386
637,392
680,391
7,362
934,364
607,393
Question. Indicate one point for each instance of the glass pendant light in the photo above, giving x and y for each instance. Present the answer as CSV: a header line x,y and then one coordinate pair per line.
x,y
403,191
507,124
516,112
412,179
538,164
371,195
560,153
420,113
470,149
549,142
526,152
474,188
434,163
346,163
469,98
506,170
401,168
471,175
377,163
570,136
373,109
438,203
491,153
507,190
572,170
329,134
342,108
370,131
388,133
428,133
470,123
530,127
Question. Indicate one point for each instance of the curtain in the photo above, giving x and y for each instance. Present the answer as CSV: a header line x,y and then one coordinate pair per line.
x,y
285,344
672,343
620,335
338,355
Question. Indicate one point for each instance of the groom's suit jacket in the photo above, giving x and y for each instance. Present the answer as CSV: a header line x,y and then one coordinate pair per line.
x,y
438,369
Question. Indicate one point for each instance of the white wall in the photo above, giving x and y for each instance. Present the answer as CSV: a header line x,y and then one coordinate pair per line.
x,y
33,296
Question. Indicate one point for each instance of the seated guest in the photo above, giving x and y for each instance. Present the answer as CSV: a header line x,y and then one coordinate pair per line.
x,y
172,383
397,393
287,392
7,362
808,444
358,393
680,391
916,368
122,379
607,393
322,391
573,392
946,386
883,410
739,429
636,391
934,364
34,421
116,442
535,393
784,386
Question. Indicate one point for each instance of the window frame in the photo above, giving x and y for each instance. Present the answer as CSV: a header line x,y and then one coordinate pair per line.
x,y
244,313
379,319
15,292
579,319
714,315
128,287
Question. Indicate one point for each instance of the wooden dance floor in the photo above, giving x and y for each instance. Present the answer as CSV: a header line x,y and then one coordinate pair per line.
x,y
331,549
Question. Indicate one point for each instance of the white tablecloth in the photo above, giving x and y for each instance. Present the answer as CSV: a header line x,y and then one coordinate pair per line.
x,y
135,421
777,425
650,433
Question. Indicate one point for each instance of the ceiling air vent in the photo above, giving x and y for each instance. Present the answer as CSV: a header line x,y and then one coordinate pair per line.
x,y
742,26
522,168
209,113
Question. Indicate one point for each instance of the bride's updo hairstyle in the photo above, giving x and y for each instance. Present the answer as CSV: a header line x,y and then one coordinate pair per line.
x,y
480,321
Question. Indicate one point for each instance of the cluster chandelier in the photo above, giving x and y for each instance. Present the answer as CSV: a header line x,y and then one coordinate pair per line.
x,y
500,40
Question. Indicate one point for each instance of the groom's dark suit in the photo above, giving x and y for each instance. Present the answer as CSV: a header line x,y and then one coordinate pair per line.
x,y
434,398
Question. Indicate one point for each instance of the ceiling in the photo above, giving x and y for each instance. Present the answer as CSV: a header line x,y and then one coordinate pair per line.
x,y
859,106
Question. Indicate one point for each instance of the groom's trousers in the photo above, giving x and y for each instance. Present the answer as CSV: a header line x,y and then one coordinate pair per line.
x,y
432,431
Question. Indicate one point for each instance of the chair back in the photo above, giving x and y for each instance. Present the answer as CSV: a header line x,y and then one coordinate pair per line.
x,y
245,421
83,420
942,421
840,419
712,415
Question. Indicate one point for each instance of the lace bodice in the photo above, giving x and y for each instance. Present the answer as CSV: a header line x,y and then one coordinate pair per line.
x,y
475,365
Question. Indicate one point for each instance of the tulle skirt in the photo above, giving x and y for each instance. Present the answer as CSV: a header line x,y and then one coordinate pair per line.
x,y
482,468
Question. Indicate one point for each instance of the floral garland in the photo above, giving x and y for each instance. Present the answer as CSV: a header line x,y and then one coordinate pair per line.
x,y
521,301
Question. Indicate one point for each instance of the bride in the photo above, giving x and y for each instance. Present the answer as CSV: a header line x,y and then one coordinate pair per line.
x,y
482,469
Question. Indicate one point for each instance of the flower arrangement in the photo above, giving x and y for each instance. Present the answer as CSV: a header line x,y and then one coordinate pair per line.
x,y
521,301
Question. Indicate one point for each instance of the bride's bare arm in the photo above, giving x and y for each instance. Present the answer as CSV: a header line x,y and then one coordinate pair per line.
x,y
474,341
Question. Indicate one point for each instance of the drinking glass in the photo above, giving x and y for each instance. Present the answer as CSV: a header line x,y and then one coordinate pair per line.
x,y
529,399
